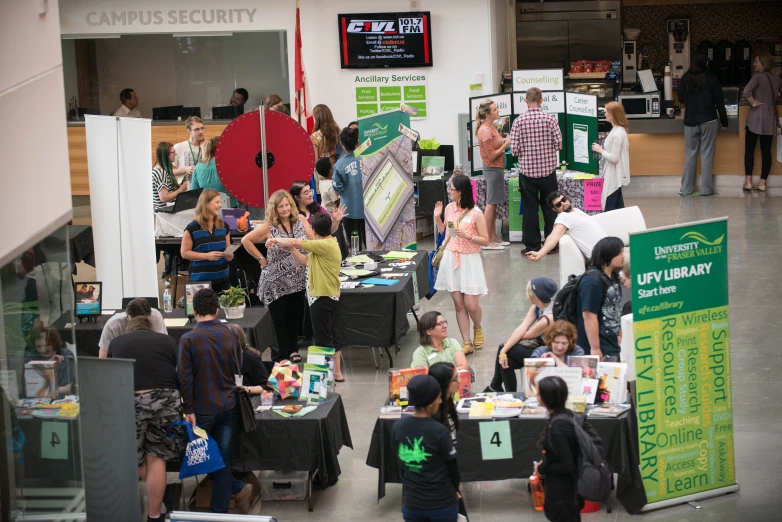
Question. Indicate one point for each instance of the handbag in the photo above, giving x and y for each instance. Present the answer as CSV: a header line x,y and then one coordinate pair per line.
x,y
438,255
245,405
202,456
777,126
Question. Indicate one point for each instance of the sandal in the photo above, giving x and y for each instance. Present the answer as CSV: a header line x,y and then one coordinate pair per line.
x,y
478,338
759,188
747,187
467,348
295,358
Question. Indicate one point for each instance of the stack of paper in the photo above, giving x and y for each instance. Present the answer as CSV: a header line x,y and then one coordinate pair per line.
x,y
359,259
398,254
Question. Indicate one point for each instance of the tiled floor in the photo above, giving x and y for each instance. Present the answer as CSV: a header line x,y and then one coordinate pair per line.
x,y
755,250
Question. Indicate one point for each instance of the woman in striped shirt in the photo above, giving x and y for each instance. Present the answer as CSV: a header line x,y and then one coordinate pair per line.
x,y
204,242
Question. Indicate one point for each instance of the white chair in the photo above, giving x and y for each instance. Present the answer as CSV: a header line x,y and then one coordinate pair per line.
x,y
618,223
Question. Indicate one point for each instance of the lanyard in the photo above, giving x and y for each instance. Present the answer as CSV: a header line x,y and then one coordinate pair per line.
x,y
195,161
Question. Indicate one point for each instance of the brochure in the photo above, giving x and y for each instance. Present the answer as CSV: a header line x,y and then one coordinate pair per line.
x,y
481,410
612,387
531,368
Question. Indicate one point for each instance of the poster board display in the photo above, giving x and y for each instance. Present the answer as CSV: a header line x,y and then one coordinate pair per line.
x,y
581,131
376,93
387,176
554,104
543,79
682,361
505,105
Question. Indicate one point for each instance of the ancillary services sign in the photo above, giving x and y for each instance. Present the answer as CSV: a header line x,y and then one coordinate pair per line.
x,y
682,359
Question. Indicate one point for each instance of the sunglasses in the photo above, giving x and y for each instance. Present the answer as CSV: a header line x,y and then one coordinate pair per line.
x,y
559,203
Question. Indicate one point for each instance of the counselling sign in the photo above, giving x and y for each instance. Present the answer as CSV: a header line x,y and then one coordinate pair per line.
x,y
375,40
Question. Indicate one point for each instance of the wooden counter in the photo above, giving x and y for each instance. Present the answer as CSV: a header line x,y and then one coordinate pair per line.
x,y
77,149
663,154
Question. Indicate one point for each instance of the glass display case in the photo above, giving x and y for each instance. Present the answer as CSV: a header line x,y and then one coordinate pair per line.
x,y
605,90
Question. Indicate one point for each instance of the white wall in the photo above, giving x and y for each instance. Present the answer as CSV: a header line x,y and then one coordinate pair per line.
x,y
499,13
461,45
35,182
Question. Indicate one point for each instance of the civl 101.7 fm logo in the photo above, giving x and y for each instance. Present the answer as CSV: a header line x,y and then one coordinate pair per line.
x,y
695,244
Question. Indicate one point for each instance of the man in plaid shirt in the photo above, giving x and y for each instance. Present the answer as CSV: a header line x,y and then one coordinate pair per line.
x,y
536,139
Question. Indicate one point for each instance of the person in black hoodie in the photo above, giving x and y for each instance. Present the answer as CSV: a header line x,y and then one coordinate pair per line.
x,y
560,454
701,94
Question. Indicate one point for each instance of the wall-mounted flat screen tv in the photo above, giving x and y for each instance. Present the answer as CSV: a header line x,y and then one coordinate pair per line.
x,y
378,40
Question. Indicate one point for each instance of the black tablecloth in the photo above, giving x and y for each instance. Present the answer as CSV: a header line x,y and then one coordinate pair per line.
x,y
308,443
377,316
257,324
57,470
619,445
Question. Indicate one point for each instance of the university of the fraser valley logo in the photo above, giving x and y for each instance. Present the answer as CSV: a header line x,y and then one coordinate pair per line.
x,y
376,131
693,244
413,454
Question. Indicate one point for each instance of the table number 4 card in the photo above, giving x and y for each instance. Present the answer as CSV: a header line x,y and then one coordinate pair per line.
x,y
496,442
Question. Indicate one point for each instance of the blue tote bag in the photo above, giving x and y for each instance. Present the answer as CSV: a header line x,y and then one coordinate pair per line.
x,y
202,456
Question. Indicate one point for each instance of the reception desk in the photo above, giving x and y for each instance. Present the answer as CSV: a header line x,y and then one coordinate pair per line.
x,y
171,131
657,147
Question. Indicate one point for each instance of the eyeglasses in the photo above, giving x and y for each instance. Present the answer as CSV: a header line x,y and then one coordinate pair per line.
x,y
442,323
559,203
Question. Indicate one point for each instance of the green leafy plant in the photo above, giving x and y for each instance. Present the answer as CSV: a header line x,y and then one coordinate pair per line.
x,y
234,297
428,144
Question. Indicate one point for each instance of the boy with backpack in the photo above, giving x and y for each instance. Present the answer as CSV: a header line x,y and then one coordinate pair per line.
x,y
593,301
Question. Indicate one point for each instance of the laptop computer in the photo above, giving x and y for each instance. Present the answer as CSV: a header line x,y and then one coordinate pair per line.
x,y
185,201
153,302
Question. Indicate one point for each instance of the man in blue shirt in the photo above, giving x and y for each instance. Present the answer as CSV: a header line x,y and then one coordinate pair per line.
x,y
599,303
209,358
348,184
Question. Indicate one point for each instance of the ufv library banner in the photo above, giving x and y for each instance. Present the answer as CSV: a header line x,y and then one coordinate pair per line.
x,y
682,359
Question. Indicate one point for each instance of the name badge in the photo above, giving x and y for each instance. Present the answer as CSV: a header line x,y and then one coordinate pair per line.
x,y
432,356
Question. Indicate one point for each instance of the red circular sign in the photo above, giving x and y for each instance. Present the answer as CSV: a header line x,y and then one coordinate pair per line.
x,y
290,155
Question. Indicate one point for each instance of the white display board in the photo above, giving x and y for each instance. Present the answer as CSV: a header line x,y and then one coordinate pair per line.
x,y
553,102
543,79
118,152
581,104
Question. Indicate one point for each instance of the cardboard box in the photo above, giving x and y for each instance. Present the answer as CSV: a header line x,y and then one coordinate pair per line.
x,y
424,226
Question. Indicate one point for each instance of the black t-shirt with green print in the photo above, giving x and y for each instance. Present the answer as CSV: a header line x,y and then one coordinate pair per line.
x,y
427,460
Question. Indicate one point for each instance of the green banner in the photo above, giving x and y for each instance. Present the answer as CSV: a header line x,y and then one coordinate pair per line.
x,y
682,359
514,204
380,130
581,131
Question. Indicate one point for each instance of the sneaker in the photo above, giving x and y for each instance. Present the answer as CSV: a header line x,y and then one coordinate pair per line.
x,y
478,338
505,243
528,250
493,246
690,195
243,499
467,348
489,389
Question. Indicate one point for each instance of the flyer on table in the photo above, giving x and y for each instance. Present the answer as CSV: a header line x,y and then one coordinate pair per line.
x,y
682,353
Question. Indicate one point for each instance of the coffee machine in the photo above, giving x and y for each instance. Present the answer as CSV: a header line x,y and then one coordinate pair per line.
x,y
678,46
629,62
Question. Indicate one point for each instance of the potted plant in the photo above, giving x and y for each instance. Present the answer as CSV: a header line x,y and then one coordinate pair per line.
x,y
233,302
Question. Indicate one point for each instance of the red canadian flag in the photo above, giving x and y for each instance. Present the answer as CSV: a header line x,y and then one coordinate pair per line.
x,y
302,102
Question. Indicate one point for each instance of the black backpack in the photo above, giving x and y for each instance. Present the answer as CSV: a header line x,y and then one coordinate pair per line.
x,y
566,300
593,476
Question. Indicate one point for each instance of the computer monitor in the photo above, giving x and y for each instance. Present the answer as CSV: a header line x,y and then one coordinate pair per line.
x,y
167,113
190,111
227,112
89,298
84,110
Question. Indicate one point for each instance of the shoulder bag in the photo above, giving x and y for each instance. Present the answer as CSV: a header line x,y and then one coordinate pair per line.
x,y
243,402
777,125
438,256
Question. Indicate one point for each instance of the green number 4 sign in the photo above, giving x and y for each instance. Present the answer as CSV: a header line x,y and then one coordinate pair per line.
x,y
495,440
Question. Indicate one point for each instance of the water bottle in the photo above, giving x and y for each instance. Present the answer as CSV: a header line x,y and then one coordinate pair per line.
x,y
536,490
355,244
168,305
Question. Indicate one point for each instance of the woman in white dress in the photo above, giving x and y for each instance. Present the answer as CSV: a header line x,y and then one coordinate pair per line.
x,y
461,269
616,157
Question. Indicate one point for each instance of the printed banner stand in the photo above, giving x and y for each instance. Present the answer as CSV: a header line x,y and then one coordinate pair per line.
x,y
581,131
387,174
505,105
514,214
682,361
554,104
